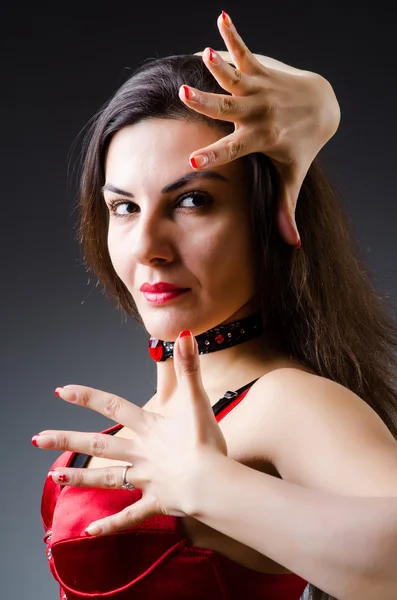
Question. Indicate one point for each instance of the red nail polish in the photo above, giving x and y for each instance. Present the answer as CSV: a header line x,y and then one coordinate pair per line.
x,y
193,163
185,332
212,53
298,245
56,391
34,440
86,532
186,90
224,15
60,478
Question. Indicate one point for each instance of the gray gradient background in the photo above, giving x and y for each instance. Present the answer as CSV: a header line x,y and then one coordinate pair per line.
x,y
59,63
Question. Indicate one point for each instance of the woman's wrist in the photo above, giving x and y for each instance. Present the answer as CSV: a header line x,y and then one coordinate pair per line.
x,y
203,477
328,107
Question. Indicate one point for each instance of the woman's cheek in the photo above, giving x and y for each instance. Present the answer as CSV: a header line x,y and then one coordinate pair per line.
x,y
211,261
119,260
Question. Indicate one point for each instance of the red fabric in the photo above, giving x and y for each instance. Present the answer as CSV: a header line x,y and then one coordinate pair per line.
x,y
150,561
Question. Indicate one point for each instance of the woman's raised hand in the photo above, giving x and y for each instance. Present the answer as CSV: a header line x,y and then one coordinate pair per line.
x,y
165,452
283,112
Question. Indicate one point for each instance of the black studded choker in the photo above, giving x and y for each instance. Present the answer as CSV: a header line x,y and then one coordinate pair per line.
x,y
218,338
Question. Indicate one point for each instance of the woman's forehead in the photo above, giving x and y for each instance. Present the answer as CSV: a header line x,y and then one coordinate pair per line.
x,y
158,150
154,135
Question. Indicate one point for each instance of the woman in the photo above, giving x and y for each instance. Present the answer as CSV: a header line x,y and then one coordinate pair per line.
x,y
252,492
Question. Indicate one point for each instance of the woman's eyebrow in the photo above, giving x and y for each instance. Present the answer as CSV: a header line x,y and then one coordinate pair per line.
x,y
193,175
171,186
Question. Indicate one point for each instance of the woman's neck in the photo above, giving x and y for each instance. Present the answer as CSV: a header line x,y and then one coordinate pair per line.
x,y
222,370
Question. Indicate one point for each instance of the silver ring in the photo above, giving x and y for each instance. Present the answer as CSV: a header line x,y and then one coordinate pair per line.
x,y
126,485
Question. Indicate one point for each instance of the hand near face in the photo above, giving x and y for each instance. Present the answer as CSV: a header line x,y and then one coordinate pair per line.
x,y
283,112
164,451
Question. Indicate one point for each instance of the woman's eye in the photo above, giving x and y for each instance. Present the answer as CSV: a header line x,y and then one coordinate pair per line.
x,y
195,200
120,208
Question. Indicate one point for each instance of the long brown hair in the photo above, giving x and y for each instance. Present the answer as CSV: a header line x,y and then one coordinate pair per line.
x,y
318,303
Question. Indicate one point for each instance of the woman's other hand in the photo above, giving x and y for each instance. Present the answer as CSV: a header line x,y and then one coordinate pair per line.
x,y
165,452
283,112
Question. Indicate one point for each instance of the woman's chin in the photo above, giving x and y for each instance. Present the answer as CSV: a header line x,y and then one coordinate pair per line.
x,y
169,329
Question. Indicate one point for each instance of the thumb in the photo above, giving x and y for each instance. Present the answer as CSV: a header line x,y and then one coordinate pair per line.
x,y
187,366
187,369
286,215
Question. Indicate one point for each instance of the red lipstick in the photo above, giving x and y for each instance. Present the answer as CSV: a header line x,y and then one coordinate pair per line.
x,y
158,293
161,286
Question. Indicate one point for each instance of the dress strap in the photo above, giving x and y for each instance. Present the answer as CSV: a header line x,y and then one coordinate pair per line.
x,y
230,399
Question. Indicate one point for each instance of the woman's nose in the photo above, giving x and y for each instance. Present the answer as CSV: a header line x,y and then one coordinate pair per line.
x,y
153,239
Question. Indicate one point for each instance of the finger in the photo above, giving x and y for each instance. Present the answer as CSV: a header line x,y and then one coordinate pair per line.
x,y
225,150
110,405
229,77
286,216
125,519
94,444
104,477
216,106
187,369
241,56
223,53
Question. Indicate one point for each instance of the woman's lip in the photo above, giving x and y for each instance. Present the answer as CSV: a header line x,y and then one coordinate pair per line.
x,y
160,287
162,297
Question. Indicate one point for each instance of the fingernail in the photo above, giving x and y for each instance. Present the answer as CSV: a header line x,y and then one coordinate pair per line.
x,y
299,244
58,477
49,440
226,18
186,343
213,56
66,394
92,530
200,160
189,93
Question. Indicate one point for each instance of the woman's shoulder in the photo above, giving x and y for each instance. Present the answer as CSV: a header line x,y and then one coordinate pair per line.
x,y
283,374
291,380
291,389
250,426
276,378
318,433
276,409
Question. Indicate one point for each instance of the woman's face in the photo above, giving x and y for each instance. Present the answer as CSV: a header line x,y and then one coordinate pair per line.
x,y
169,223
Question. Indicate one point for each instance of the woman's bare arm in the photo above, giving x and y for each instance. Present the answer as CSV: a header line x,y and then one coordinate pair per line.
x,y
346,546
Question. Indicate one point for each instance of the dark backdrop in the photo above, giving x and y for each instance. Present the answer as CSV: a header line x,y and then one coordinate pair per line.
x,y
59,63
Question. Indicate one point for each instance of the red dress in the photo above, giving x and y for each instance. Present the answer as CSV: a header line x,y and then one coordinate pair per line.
x,y
150,561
